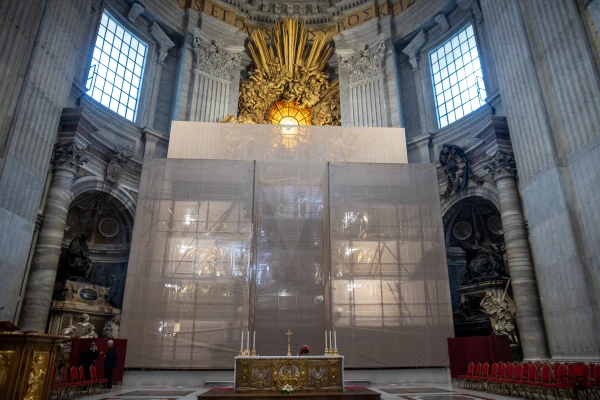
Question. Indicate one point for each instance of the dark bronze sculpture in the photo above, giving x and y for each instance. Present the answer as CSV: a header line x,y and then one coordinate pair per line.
x,y
78,259
484,260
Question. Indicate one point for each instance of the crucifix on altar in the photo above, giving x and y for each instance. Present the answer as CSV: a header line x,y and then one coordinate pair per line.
x,y
289,335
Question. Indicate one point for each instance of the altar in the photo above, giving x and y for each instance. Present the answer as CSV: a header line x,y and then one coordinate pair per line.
x,y
302,373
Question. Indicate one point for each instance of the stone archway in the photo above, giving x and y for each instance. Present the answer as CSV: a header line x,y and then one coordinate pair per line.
x,y
103,215
476,257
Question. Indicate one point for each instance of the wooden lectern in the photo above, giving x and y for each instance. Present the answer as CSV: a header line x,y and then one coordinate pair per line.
x,y
26,363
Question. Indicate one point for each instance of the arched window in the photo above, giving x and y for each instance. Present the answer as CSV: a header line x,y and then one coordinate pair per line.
x,y
457,77
115,76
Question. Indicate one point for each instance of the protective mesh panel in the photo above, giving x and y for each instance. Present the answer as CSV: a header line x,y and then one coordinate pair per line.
x,y
289,290
391,302
358,245
186,295
203,140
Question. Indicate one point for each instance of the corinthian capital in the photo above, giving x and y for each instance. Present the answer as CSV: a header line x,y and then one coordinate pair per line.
x,y
214,58
68,156
364,62
501,165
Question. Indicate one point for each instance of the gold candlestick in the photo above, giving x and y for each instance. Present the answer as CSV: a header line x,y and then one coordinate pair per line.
x,y
335,352
289,335
253,354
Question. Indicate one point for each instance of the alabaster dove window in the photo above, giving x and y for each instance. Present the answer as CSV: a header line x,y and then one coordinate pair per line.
x,y
116,69
457,77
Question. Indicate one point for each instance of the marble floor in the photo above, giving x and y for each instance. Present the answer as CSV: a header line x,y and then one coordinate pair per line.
x,y
388,392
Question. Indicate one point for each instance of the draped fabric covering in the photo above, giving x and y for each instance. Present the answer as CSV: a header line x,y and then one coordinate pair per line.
x,y
287,242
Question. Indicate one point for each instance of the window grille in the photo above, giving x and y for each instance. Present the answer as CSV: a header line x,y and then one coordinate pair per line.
x,y
117,67
457,77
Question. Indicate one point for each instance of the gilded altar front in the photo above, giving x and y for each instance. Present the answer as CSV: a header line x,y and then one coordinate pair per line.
x,y
302,373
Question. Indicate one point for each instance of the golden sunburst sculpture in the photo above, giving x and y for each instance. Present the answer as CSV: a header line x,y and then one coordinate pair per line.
x,y
288,75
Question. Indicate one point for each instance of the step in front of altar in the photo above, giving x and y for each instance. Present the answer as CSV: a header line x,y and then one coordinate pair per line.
x,y
218,384
351,393
229,384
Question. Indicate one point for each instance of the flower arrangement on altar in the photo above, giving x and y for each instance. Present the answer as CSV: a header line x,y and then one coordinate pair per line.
x,y
287,389
304,350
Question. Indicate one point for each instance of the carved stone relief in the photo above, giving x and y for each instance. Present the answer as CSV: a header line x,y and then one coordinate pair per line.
x,y
116,165
501,165
365,63
68,156
213,58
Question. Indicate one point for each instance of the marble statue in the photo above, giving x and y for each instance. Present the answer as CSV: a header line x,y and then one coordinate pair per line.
x,y
83,329
111,328
502,315
484,259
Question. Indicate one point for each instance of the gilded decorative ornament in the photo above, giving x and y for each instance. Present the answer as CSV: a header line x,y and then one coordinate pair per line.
x,y
5,362
288,71
35,384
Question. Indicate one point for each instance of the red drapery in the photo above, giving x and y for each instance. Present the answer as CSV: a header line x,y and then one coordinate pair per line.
x,y
81,345
476,349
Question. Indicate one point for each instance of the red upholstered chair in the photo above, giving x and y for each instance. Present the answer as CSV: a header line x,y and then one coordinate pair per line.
x,y
520,385
479,382
75,382
518,377
505,384
476,376
533,382
495,380
593,386
85,382
490,378
94,376
55,385
544,383
562,385
469,375
68,386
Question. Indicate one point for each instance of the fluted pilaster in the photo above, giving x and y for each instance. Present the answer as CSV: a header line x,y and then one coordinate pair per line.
x,y
551,94
41,43
363,65
214,66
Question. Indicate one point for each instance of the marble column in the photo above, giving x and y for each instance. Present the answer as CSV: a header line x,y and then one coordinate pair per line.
x,y
520,264
67,158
